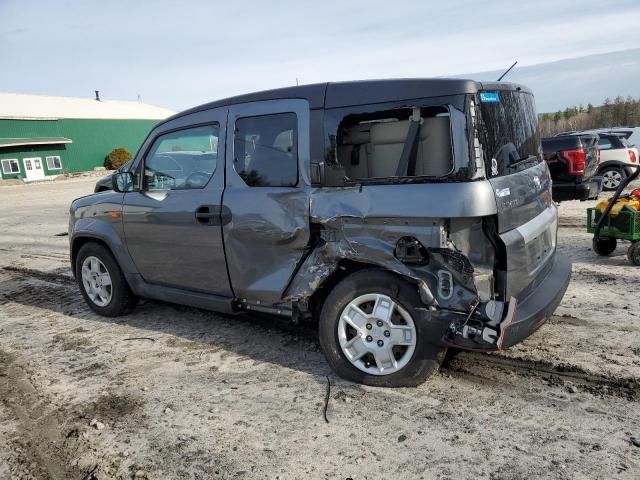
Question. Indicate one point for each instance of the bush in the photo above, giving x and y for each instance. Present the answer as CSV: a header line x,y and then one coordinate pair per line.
x,y
118,157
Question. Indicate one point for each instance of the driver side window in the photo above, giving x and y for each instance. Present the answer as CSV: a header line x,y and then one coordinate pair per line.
x,y
182,160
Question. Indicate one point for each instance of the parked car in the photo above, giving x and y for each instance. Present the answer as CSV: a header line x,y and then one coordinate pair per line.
x,y
615,151
573,161
632,134
104,184
404,216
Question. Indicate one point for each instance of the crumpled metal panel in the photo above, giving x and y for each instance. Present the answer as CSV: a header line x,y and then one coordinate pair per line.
x,y
363,224
260,265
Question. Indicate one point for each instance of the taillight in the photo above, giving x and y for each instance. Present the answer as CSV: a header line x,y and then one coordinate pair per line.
x,y
575,159
632,156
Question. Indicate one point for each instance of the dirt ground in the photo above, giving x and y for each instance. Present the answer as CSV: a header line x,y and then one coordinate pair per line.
x,y
173,392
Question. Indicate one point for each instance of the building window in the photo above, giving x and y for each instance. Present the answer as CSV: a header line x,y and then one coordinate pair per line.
x,y
54,163
10,165
27,164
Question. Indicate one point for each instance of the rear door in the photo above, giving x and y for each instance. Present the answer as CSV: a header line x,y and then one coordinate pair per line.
x,y
173,222
267,194
527,217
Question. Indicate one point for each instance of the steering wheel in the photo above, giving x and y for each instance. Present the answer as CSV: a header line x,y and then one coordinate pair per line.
x,y
197,179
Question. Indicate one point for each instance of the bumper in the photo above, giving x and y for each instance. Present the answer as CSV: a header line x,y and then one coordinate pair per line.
x,y
519,319
540,304
580,191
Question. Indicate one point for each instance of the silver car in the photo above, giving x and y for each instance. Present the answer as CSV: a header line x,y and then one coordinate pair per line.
x,y
403,216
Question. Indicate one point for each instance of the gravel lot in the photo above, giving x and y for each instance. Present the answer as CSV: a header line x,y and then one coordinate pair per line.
x,y
173,392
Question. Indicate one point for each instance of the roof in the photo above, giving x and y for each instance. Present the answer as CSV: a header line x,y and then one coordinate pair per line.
x,y
23,106
362,92
16,142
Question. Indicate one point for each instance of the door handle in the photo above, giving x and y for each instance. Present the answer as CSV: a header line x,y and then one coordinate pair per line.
x,y
213,215
207,214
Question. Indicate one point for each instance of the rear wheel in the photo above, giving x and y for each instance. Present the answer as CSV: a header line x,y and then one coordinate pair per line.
x,y
604,246
633,254
370,333
101,281
612,177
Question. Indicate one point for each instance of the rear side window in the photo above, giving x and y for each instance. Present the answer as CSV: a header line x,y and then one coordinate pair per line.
x,y
604,144
265,150
402,143
182,160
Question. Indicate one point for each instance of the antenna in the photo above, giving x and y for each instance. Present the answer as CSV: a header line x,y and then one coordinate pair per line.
x,y
296,81
508,70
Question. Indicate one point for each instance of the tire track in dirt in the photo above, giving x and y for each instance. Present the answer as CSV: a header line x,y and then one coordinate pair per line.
x,y
490,366
40,445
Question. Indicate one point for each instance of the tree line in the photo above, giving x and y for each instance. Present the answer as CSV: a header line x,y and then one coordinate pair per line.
x,y
617,113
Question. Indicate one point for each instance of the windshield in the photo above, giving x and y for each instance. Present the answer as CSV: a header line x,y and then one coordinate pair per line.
x,y
508,131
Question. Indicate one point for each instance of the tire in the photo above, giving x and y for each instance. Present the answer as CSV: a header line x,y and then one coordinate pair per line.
x,y
415,362
118,299
604,246
633,254
612,177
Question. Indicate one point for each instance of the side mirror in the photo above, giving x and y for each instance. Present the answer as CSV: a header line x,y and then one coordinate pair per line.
x,y
122,182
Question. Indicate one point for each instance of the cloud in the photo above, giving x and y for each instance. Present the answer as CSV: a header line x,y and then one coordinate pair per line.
x,y
183,53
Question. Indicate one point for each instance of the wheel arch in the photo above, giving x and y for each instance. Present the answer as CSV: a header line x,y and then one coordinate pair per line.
x,y
344,268
79,241
610,164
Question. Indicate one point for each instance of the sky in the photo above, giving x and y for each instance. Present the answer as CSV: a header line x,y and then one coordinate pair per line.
x,y
179,54
575,81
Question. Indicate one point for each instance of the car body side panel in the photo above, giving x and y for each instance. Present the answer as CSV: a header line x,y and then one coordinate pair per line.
x,y
100,217
522,196
364,224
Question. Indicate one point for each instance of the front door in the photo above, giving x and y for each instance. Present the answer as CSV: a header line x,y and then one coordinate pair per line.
x,y
173,222
33,168
267,194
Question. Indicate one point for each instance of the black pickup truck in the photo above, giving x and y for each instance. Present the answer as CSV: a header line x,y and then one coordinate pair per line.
x,y
573,162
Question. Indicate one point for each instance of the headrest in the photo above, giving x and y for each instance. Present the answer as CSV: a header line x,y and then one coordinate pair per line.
x,y
389,132
435,127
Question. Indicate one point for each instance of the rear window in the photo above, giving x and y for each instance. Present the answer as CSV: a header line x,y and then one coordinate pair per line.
x,y
508,131
625,142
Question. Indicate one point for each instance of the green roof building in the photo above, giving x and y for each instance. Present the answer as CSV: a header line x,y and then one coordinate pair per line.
x,y
41,136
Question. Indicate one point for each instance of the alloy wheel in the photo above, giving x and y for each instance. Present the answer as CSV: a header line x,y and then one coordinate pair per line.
x,y
376,334
611,179
97,281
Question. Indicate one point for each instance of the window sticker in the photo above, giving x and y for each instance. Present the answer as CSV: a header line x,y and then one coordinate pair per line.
x,y
489,97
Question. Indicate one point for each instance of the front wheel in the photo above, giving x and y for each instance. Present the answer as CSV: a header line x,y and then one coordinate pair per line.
x,y
102,282
371,333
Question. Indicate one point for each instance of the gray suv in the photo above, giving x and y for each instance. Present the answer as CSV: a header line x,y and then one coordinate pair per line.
x,y
404,216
